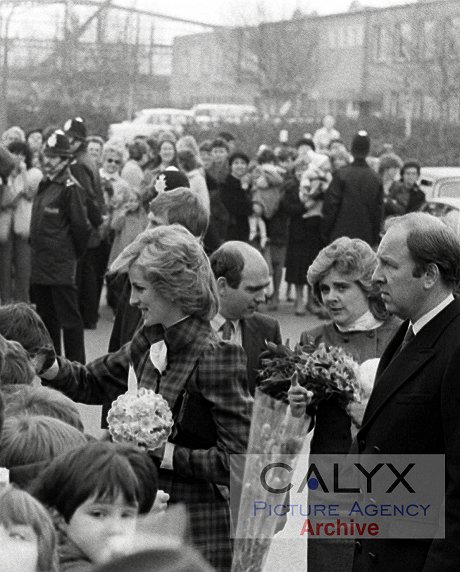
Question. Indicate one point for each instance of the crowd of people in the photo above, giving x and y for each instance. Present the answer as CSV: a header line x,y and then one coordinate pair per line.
x,y
189,237
275,200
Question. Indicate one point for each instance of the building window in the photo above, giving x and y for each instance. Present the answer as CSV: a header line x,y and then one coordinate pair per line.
x,y
332,39
395,104
381,44
403,41
454,109
350,36
417,105
452,37
431,108
359,35
429,41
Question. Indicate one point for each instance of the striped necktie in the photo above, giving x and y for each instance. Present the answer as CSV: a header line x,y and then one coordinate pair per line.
x,y
227,330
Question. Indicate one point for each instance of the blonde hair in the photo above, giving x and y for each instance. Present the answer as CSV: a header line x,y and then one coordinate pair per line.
x,y
174,262
116,147
19,507
356,260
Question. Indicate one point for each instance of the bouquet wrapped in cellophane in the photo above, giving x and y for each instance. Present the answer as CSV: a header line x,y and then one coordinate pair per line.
x,y
325,371
275,434
140,417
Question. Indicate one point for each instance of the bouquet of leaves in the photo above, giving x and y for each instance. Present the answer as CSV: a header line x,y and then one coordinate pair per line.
x,y
326,371
140,417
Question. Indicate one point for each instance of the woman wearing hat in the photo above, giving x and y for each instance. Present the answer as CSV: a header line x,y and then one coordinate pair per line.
x,y
59,234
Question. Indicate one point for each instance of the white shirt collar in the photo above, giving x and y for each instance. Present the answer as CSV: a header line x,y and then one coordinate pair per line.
x,y
237,335
364,323
218,321
423,321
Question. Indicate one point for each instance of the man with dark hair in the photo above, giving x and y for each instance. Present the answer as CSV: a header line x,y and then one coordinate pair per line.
x,y
59,234
229,138
89,274
405,196
353,203
95,144
219,167
242,277
413,408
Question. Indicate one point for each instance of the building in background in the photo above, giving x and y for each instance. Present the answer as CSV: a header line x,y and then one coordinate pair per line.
x,y
401,61
107,53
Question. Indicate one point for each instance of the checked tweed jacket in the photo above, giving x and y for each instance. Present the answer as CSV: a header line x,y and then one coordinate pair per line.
x,y
206,375
221,382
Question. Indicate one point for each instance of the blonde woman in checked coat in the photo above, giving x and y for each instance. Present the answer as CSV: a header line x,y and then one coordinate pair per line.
x,y
202,378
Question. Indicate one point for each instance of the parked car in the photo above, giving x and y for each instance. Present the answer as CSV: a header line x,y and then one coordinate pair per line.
x,y
209,114
448,209
440,182
151,122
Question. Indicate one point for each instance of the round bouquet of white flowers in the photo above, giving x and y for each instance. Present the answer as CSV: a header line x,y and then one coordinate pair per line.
x,y
141,418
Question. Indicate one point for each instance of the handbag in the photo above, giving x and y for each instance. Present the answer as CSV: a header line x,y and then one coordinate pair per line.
x,y
194,425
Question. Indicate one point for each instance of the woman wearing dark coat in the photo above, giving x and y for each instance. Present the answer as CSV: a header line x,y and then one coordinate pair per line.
x,y
236,197
304,241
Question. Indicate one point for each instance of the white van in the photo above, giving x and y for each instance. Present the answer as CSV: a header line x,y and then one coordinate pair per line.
x,y
209,114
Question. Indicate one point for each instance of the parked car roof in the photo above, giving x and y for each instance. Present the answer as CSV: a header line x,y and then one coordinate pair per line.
x,y
440,182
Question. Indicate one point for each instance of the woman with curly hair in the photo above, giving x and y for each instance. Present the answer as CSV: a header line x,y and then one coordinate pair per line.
x,y
341,278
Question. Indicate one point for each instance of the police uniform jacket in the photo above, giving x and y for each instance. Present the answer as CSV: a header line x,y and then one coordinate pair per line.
x,y
59,230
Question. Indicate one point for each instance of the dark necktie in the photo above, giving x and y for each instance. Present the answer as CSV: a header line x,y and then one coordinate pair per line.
x,y
227,330
408,336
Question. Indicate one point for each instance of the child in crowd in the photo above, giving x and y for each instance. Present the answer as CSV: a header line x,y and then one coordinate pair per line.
x,y
29,443
27,536
17,368
267,180
21,323
128,220
31,400
96,493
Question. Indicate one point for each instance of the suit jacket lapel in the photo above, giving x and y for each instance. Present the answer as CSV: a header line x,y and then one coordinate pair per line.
x,y
395,370
390,350
249,336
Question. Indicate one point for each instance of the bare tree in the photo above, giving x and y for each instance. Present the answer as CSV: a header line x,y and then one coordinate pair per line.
x,y
425,54
274,58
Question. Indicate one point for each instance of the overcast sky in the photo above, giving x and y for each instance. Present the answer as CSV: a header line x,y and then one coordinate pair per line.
x,y
235,11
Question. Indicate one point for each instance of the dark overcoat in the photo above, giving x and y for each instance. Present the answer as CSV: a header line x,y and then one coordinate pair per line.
x,y
414,408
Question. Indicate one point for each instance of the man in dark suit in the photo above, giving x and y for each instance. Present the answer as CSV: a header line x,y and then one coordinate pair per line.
x,y
414,406
353,204
242,276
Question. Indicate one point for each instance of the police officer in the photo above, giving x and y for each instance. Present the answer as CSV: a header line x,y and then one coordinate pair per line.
x,y
92,265
59,235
